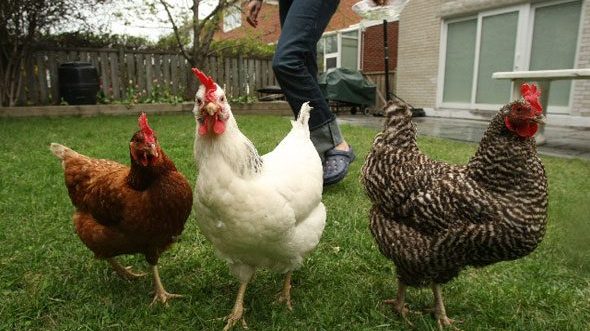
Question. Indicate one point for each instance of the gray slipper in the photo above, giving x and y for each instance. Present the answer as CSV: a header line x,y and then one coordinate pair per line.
x,y
336,165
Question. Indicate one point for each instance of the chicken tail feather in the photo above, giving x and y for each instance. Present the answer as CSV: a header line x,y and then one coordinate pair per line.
x,y
303,117
60,151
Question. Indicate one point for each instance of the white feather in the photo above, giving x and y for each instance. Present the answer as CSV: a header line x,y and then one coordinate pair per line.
x,y
270,215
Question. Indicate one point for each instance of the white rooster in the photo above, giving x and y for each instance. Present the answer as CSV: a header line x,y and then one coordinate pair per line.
x,y
258,212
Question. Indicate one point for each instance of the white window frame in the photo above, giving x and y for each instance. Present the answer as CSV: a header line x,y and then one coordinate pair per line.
x,y
524,36
235,13
338,54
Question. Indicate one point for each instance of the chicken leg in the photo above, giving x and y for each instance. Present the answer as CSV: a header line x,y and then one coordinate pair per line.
x,y
161,294
439,309
399,304
237,313
285,295
124,272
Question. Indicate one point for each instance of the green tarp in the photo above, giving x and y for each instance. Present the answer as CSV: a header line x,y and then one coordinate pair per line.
x,y
345,85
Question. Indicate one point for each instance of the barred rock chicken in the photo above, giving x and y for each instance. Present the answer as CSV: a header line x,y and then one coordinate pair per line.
x,y
434,219
258,212
128,210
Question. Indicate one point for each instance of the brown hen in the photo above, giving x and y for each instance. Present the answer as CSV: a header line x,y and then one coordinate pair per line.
x,y
128,210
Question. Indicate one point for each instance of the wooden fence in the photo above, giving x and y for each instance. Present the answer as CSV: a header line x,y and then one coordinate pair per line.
x,y
378,78
124,73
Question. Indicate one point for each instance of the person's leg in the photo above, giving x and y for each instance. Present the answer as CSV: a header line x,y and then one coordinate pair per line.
x,y
295,66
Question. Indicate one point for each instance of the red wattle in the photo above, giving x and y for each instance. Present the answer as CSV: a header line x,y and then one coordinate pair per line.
x,y
218,126
527,130
524,129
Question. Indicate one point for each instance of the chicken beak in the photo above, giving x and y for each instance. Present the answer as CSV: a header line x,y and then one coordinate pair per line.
x,y
540,119
211,108
153,150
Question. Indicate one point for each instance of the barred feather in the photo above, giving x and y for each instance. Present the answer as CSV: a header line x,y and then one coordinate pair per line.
x,y
433,219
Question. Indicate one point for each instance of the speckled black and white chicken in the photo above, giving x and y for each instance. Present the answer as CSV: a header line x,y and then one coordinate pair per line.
x,y
434,219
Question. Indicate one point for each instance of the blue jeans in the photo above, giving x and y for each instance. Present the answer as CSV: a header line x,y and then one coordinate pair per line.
x,y
295,64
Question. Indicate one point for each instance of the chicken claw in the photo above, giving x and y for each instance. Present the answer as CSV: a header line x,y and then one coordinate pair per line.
x,y
439,309
401,308
124,272
398,304
161,294
443,321
237,313
285,295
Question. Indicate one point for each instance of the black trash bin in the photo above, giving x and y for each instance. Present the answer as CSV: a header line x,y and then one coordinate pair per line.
x,y
78,83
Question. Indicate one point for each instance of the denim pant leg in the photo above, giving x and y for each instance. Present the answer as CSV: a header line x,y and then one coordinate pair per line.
x,y
295,65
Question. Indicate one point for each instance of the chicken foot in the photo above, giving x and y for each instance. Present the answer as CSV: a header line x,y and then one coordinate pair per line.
x,y
125,272
399,304
237,313
161,295
285,295
440,313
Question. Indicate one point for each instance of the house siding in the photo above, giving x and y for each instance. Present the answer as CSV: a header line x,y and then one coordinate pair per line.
x,y
581,99
419,43
418,53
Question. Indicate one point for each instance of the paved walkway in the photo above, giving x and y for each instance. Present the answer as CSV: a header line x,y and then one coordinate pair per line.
x,y
561,141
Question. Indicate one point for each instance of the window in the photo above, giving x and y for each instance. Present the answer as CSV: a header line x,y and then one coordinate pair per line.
x,y
459,61
339,49
555,48
526,37
232,18
350,45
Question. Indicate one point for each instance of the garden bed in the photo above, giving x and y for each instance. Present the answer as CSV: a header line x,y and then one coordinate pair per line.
x,y
266,108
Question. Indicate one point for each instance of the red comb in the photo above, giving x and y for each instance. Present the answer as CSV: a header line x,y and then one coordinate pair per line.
x,y
208,82
531,94
148,133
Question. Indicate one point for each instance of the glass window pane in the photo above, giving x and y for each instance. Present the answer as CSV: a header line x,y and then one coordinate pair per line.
x,y
498,43
232,18
320,54
349,53
331,63
331,44
555,35
350,34
459,61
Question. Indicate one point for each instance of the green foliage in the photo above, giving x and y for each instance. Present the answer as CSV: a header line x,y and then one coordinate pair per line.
x,y
94,40
159,93
50,281
243,99
246,47
169,41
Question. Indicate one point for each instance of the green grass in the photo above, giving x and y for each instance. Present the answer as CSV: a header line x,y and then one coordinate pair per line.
x,y
50,281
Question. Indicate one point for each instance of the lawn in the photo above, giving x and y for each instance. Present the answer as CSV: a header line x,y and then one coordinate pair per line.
x,y
50,281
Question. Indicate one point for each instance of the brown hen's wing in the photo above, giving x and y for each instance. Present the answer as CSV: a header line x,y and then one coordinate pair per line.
x,y
105,241
96,186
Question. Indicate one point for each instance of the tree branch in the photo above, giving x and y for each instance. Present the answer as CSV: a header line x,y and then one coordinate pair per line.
x,y
176,33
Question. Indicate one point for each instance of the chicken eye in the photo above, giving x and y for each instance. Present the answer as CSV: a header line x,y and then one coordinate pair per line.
x,y
222,98
199,101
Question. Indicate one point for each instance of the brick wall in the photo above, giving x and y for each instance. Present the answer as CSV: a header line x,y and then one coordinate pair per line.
x,y
418,53
373,47
344,16
269,27
268,30
581,100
